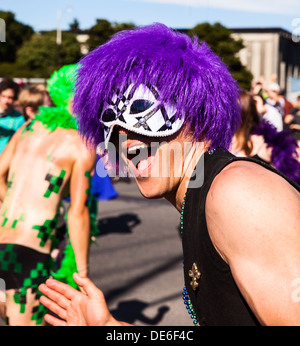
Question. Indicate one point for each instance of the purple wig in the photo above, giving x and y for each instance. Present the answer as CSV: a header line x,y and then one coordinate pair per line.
x,y
184,71
284,149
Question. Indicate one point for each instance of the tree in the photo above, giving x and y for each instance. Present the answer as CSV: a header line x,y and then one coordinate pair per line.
x,y
102,31
16,34
99,33
42,55
74,26
226,47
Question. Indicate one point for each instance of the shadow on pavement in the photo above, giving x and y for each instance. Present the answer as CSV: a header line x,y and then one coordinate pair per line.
x,y
121,224
132,311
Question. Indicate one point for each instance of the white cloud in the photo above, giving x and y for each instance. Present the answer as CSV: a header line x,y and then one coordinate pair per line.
x,y
287,7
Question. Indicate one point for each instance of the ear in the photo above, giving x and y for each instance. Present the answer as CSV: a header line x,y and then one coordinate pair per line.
x,y
30,112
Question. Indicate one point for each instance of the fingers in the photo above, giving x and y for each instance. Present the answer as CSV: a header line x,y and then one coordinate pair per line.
x,y
54,321
61,288
55,308
55,296
86,285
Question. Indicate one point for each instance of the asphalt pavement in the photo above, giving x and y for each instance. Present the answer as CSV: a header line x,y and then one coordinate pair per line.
x,y
137,259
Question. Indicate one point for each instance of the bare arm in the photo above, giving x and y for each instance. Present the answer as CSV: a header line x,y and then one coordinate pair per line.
x,y
253,221
288,118
78,215
295,127
5,161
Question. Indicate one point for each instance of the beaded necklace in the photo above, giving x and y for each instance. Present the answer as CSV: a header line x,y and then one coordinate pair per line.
x,y
185,296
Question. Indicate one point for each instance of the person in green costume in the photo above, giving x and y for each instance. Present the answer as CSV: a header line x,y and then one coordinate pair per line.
x,y
45,161
10,119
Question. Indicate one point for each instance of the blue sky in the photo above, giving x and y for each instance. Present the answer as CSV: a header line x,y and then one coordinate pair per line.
x,y
42,15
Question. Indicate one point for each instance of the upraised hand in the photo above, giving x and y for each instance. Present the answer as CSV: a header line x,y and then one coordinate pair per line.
x,y
75,308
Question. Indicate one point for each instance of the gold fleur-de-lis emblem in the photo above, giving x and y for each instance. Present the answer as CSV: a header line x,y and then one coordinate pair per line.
x,y
195,275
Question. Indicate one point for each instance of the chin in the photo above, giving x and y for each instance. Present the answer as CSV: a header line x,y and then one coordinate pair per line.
x,y
150,188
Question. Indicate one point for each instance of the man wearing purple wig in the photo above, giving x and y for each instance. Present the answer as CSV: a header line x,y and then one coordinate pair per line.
x,y
158,92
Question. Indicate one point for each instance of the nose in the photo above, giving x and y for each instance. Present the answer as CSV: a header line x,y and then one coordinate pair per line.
x,y
122,131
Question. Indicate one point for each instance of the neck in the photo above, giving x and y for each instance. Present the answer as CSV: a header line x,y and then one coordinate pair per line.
x,y
5,110
190,162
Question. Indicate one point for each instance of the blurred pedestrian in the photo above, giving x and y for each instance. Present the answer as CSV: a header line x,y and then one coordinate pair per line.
x,y
292,122
30,99
45,161
287,105
268,112
258,138
274,97
10,119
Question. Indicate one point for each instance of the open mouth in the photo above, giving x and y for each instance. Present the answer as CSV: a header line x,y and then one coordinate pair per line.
x,y
141,157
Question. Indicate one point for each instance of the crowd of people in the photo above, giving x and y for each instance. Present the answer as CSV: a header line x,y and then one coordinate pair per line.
x,y
264,131
240,228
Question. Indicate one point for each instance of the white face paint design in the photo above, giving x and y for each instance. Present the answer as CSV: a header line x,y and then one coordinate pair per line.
x,y
140,112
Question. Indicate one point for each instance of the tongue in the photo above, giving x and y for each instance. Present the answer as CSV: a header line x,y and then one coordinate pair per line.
x,y
144,164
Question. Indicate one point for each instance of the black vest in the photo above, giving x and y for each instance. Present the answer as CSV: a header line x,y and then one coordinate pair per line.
x,y
217,300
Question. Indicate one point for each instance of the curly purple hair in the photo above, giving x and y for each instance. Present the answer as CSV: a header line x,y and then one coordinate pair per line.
x,y
184,71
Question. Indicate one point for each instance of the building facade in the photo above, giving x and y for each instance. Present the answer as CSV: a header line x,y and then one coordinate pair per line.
x,y
271,53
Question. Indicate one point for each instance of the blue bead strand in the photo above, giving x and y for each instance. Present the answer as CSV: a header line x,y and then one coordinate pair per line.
x,y
185,296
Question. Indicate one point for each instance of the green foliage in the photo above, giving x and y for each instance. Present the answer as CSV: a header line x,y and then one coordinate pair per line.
x,y
38,52
102,31
74,26
28,54
226,47
12,70
16,34
42,54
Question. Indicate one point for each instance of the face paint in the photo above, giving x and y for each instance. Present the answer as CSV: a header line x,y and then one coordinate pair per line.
x,y
8,260
31,283
139,110
15,222
10,181
45,230
49,157
55,183
28,128
4,222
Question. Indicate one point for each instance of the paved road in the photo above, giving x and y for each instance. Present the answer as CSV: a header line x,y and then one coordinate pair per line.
x,y
137,260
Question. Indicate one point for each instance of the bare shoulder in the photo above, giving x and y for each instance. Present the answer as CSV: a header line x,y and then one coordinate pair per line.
x,y
253,221
247,201
78,145
244,179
